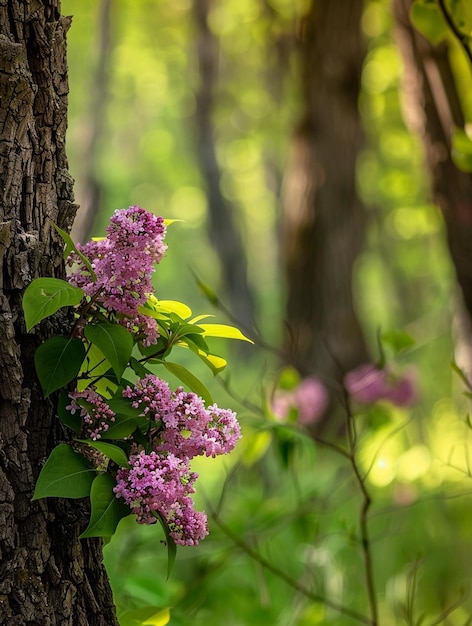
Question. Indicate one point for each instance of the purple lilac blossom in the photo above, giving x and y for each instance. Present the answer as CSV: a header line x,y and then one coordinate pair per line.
x,y
124,263
94,411
160,486
367,384
189,428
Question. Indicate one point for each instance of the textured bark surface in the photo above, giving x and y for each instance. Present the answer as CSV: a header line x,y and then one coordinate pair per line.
x,y
47,576
433,109
323,218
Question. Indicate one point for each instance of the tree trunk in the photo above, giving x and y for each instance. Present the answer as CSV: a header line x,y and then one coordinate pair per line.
x,y
433,109
222,226
323,219
47,576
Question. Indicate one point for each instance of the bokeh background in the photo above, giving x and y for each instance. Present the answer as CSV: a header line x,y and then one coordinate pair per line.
x,y
296,143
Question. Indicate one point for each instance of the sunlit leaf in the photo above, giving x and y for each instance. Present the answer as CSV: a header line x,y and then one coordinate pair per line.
x,y
216,363
114,341
462,150
66,474
44,296
197,319
145,616
427,18
106,509
58,361
190,380
224,331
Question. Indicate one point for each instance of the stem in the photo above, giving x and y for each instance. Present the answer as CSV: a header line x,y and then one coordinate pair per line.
x,y
363,517
460,36
282,574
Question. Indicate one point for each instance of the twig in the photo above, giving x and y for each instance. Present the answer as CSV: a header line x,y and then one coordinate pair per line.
x,y
258,558
461,37
363,516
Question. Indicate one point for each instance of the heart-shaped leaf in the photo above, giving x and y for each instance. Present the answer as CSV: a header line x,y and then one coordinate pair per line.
x,y
66,474
58,361
44,296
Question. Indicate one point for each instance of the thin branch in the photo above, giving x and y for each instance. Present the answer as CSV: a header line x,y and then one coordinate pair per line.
x,y
460,36
282,574
363,515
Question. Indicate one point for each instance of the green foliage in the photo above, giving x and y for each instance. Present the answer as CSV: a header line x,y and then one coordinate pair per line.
x,y
115,343
58,361
66,474
98,357
44,296
427,17
106,509
145,616
462,150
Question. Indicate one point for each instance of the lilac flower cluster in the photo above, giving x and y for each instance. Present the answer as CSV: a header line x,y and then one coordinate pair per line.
x,y
185,426
123,263
159,483
368,384
94,411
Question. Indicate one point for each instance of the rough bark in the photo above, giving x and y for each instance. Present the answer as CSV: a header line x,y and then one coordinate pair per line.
x,y
222,225
323,218
47,576
433,109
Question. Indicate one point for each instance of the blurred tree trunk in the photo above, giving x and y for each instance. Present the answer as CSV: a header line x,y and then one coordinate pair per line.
x,y
47,576
323,218
222,226
91,187
433,109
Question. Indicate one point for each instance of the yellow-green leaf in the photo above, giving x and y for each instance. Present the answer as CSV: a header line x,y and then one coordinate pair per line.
x,y
224,331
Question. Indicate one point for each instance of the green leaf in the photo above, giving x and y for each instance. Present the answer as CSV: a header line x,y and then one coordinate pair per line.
x,y
127,419
397,340
216,363
44,296
427,18
145,616
115,343
72,421
58,361
224,331
138,368
106,509
156,308
462,150
66,474
71,247
115,453
190,380
171,547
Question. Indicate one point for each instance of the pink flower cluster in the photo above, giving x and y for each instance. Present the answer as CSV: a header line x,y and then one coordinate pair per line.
x,y
93,409
184,425
157,485
309,399
368,384
123,263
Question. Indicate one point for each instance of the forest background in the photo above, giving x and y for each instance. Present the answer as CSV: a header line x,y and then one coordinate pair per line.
x,y
198,112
